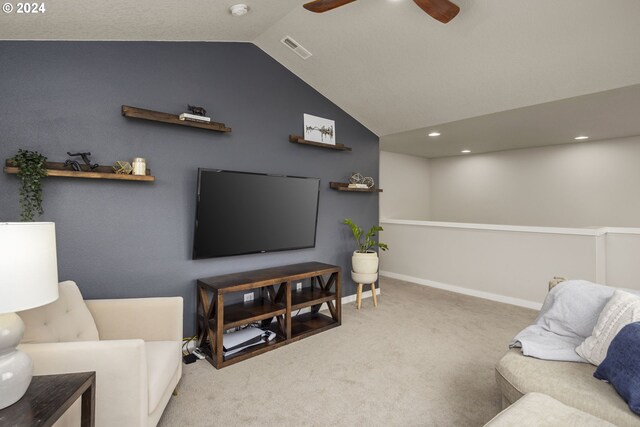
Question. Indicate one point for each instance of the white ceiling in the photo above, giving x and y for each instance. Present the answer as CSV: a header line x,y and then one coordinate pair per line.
x,y
386,62
604,115
163,20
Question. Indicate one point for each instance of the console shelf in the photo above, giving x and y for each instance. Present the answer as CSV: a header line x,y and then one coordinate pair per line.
x,y
277,303
243,313
307,324
310,296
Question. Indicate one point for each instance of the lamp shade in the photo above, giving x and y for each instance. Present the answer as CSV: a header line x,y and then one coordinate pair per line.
x,y
28,265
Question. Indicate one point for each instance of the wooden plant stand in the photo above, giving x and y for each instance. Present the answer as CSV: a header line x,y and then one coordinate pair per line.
x,y
275,299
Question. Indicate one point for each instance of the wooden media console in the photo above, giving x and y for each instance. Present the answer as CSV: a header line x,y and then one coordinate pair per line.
x,y
276,300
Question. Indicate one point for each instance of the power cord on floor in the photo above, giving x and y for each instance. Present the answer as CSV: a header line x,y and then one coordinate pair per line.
x,y
185,345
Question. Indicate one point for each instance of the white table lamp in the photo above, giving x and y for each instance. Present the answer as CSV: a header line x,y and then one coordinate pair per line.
x,y
28,279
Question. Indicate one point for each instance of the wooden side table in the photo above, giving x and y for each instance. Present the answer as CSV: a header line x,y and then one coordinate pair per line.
x,y
50,396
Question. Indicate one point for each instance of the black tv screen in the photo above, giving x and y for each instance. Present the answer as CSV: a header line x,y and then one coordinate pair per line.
x,y
241,213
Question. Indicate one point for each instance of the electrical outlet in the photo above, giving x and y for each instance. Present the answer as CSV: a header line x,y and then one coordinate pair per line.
x,y
248,297
299,286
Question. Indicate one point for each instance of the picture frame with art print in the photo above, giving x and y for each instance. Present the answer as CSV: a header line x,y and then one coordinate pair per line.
x,y
318,129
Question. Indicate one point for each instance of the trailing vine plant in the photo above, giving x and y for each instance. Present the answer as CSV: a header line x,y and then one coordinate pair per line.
x,y
32,170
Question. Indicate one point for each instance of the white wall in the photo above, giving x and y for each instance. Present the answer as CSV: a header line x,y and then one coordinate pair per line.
x,y
573,185
404,180
512,264
622,266
560,194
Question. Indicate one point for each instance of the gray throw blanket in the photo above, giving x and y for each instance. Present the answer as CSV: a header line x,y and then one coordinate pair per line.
x,y
566,319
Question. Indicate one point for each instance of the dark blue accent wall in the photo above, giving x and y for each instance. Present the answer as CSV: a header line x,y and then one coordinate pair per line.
x,y
130,239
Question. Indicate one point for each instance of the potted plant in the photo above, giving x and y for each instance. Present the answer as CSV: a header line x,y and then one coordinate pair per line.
x,y
33,168
365,259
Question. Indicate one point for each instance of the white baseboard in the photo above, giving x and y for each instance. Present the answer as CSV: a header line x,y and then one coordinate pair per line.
x,y
466,291
352,298
345,300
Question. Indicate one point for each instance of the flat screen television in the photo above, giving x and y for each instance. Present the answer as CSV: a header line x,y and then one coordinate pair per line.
x,y
242,213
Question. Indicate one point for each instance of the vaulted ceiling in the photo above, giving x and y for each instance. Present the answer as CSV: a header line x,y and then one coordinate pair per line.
x,y
386,62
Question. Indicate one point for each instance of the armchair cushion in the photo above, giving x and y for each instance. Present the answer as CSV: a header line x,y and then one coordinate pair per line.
x,y
163,359
64,320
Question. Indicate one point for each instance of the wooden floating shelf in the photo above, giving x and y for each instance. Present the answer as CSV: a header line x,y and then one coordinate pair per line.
x,y
101,172
174,119
344,186
300,140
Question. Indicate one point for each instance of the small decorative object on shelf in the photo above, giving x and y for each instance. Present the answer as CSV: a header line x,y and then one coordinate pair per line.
x,y
198,114
75,165
368,182
319,130
85,159
197,111
356,180
122,168
191,118
139,166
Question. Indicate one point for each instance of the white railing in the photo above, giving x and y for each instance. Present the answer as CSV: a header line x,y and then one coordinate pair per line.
x,y
505,262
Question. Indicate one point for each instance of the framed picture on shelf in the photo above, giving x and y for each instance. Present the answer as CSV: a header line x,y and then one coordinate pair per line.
x,y
320,130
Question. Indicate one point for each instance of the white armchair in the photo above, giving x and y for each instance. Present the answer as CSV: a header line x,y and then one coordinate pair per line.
x,y
133,345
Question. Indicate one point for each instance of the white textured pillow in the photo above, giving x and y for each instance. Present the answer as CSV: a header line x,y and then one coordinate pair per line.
x,y
65,319
623,308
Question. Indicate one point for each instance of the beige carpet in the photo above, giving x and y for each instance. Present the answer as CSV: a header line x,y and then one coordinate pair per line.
x,y
423,357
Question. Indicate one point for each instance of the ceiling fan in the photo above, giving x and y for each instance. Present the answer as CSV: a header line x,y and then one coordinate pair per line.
x,y
442,10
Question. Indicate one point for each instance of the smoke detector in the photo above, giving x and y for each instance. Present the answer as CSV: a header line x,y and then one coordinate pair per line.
x,y
239,9
296,47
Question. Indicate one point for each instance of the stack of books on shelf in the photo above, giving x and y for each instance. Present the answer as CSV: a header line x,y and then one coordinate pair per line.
x,y
194,118
358,186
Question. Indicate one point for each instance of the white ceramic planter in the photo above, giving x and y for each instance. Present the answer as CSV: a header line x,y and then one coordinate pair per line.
x,y
365,263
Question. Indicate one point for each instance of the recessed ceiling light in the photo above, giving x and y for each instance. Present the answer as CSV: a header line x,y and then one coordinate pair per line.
x,y
465,151
239,9
578,138
434,134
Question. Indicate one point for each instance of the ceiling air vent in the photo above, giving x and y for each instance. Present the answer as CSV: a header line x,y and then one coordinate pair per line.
x,y
296,47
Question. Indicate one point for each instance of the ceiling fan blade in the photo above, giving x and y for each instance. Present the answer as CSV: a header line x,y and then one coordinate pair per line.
x,y
442,10
320,6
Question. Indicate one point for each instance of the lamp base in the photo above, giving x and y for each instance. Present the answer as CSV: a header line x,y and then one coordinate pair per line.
x,y
16,367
